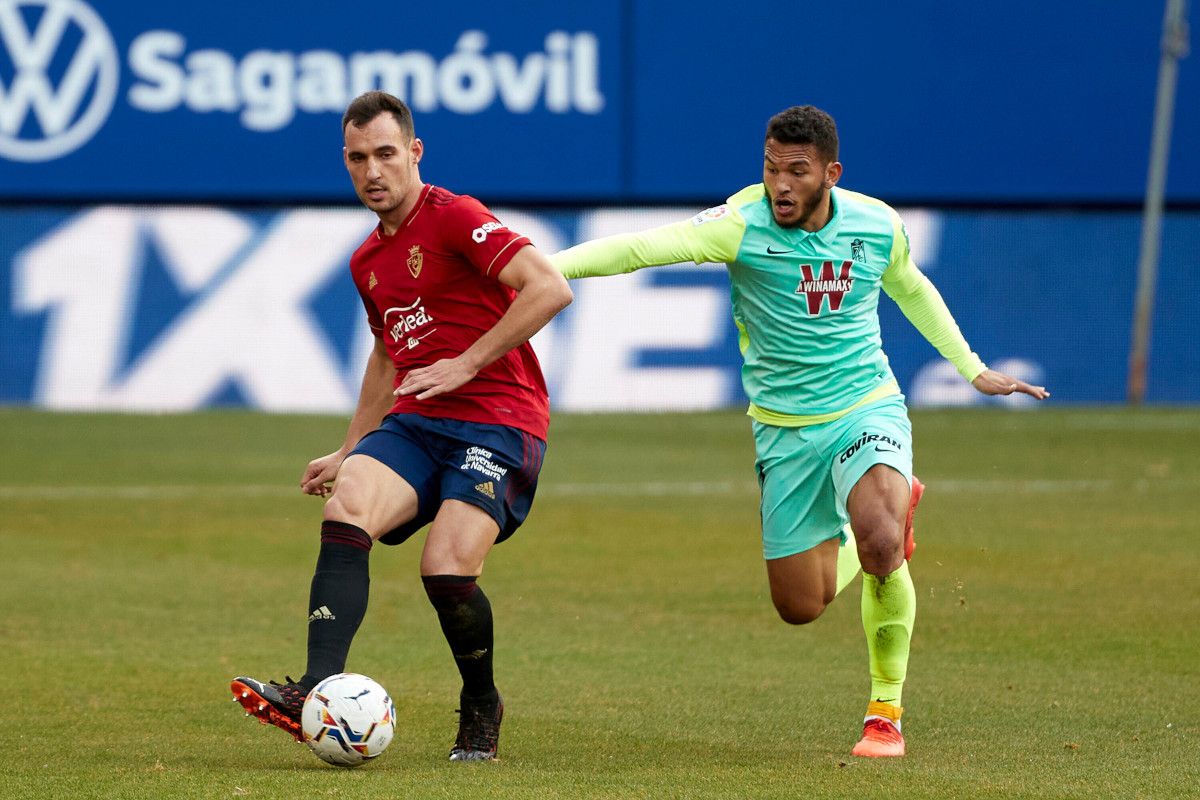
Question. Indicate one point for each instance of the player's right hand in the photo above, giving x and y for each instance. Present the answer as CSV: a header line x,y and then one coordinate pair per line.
x,y
321,473
997,383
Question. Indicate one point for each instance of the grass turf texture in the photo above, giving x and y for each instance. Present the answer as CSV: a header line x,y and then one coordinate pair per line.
x,y
149,559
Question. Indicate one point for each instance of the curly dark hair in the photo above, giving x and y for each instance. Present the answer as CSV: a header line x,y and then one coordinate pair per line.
x,y
369,105
805,125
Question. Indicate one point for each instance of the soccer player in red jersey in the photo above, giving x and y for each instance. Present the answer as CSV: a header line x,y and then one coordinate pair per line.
x,y
453,297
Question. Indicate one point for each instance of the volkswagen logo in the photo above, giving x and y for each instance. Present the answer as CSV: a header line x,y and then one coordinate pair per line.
x,y
65,71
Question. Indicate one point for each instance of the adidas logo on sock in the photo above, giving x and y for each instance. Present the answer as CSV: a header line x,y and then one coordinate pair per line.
x,y
486,489
321,613
474,655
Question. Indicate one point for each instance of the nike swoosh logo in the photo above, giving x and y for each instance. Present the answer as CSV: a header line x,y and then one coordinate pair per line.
x,y
778,252
879,449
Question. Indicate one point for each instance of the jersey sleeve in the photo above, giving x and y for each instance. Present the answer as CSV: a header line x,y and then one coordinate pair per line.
x,y
473,232
373,318
712,235
922,304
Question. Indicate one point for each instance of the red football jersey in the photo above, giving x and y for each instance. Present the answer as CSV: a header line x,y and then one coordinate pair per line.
x,y
430,291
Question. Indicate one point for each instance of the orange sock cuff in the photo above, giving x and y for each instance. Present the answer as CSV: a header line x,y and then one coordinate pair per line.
x,y
885,710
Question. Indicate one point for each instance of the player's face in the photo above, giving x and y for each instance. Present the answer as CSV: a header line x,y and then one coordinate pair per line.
x,y
798,180
383,164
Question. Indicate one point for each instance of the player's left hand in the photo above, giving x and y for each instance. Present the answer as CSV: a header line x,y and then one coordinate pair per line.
x,y
438,378
991,382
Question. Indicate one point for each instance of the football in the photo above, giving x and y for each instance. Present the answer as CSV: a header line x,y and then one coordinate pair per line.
x,y
348,719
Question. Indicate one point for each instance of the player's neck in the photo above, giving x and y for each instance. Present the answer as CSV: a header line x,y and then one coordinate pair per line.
x,y
820,216
390,221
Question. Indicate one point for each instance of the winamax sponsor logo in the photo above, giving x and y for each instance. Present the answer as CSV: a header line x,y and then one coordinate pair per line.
x,y
60,75
817,287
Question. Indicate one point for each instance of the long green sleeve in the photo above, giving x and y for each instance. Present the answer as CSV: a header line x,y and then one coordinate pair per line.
x,y
700,239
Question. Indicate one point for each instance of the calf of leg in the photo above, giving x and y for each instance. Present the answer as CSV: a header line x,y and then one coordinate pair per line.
x,y
337,599
878,505
368,500
466,619
455,548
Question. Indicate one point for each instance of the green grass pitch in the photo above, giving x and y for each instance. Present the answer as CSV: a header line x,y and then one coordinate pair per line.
x,y
147,560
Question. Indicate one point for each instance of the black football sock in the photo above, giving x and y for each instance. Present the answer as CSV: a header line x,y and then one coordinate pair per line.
x,y
337,600
466,617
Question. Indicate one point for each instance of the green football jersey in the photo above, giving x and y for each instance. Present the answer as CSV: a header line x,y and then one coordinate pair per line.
x,y
805,303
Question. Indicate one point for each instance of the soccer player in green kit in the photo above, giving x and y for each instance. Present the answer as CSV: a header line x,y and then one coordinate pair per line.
x,y
806,260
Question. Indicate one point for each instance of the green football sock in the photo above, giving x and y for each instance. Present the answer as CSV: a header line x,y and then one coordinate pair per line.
x,y
847,560
889,607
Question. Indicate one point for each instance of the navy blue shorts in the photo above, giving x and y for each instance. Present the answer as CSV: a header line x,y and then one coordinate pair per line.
x,y
494,467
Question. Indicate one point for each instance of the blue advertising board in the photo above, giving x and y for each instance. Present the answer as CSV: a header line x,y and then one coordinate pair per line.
x,y
1017,101
225,100
165,308
602,102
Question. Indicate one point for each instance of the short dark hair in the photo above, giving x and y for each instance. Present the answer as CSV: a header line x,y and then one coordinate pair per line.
x,y
369,105
805,125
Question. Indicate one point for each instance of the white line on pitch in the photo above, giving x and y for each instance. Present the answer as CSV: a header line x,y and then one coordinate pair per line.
x,y
627,489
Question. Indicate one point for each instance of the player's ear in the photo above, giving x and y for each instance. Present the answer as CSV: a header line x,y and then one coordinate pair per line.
x,y
833,172
416,150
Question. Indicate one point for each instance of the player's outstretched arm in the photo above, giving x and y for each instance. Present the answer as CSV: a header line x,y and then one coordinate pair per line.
x,y
374,400
921,302
991,382
542,292
714,238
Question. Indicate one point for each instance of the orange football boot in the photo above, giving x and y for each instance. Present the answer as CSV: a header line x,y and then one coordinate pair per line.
x,y
881,732
910,543
277,704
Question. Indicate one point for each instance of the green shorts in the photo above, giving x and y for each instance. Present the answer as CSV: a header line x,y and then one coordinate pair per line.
x,y
806,474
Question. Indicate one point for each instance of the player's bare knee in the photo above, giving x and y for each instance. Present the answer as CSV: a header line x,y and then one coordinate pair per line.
x,y
880,540
885,565
881,552
800,611
346,506
448,562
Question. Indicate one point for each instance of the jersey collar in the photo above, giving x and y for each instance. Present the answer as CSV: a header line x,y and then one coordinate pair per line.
x,y
830,231
827,234
425,188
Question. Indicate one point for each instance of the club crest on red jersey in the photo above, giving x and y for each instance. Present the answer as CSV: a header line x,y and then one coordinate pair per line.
x,y
416,260
816,288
